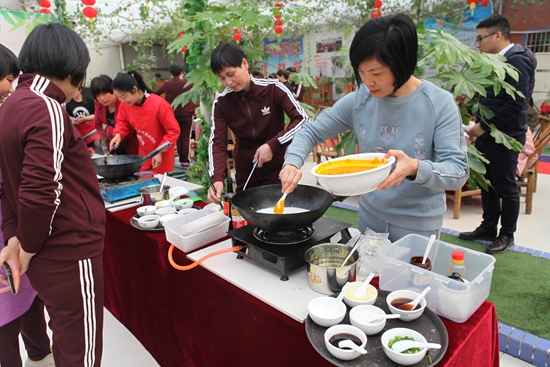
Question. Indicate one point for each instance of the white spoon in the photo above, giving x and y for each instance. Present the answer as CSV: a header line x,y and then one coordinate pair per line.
x,y
377,317
362,289
162,183
357,243
411,305
403,345
428,248
333,308
349,344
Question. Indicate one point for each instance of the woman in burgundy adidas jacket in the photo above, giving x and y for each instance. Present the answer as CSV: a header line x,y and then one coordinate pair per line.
x,y
53,213
254,110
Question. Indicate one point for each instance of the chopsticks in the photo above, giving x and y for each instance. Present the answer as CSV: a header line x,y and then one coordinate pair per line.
x,y
211,183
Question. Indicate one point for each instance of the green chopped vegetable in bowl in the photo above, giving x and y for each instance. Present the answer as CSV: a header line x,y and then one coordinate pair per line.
x,y
398,338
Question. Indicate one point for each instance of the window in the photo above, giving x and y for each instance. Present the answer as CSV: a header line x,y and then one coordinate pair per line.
x,y
538,42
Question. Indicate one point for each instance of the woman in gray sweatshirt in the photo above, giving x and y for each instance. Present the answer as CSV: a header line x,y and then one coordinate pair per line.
x,y
393,112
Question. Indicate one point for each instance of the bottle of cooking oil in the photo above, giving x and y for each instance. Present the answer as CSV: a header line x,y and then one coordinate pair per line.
x,y
457,264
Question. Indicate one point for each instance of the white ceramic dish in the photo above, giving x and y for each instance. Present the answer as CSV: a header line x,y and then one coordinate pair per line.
x,y
187,211
183,204
165,211
402,358
146,210
353,301
358,314
355,183
149,221
405,315
166,218
344,354
317,309
200,224
164,204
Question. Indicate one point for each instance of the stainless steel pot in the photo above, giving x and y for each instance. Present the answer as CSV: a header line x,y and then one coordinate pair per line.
x,y
151,194
325,275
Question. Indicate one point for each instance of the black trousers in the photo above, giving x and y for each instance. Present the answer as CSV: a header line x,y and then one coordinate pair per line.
x,y
502,199
182,145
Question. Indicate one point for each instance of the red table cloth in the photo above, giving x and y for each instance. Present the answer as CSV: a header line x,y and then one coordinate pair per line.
x,y
195,318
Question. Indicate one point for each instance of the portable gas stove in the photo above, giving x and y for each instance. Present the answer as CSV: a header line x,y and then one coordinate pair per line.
x,y
115,190
285,251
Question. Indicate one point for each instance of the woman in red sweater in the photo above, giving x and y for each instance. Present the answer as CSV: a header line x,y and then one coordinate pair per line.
x,y
150,116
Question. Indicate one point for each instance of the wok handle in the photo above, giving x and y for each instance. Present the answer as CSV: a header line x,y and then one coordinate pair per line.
x,y
339,198
162,148
89,135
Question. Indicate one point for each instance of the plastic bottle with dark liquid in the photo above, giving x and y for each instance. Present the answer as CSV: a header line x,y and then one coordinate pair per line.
x,y
227,198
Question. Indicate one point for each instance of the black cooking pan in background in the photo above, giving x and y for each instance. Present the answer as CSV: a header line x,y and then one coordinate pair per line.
x,y
312,198
122,166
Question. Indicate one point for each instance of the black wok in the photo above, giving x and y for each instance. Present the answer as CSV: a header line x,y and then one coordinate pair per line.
x,y
122,166
314,199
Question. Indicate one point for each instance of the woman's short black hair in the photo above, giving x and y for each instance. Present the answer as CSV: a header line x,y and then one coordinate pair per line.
x,y
283,72
175,69
291,69
101,84
390,39
125,82
56,51
8,63
226,54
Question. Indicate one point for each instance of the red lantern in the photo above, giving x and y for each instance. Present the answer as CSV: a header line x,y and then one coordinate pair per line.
x,y
278,30
484,3
237,35
45,11
45,3
181,34
278,22
278,5
183,49
89,12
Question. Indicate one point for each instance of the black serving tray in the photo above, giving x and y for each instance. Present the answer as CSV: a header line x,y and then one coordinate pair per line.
x,y
429,325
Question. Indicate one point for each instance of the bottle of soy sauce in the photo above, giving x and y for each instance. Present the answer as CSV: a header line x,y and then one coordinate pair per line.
x,y
227,197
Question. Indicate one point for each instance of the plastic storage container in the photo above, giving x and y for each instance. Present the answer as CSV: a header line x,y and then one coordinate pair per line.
x,y
199,239
449,298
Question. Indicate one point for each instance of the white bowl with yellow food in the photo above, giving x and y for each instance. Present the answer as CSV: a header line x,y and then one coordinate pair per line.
x,y
354,174
368,298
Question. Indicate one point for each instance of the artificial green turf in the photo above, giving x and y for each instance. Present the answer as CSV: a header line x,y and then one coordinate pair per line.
x,y
520,287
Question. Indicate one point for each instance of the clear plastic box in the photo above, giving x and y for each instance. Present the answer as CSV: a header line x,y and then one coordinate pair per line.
x,y
449,298
198,239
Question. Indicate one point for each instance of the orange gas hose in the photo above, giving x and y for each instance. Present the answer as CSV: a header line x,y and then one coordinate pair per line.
x,y
199,261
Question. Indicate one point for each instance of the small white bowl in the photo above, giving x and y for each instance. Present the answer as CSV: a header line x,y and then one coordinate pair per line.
x,y
357,316
319,310
187,211
146,210
167,217
357,183
165,211
406,315
149,221
183,204
344,354
368,299
214,207
402,358
164,204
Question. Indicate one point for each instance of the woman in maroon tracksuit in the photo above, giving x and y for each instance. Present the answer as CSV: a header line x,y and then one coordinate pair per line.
x,y
254,110
53,213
